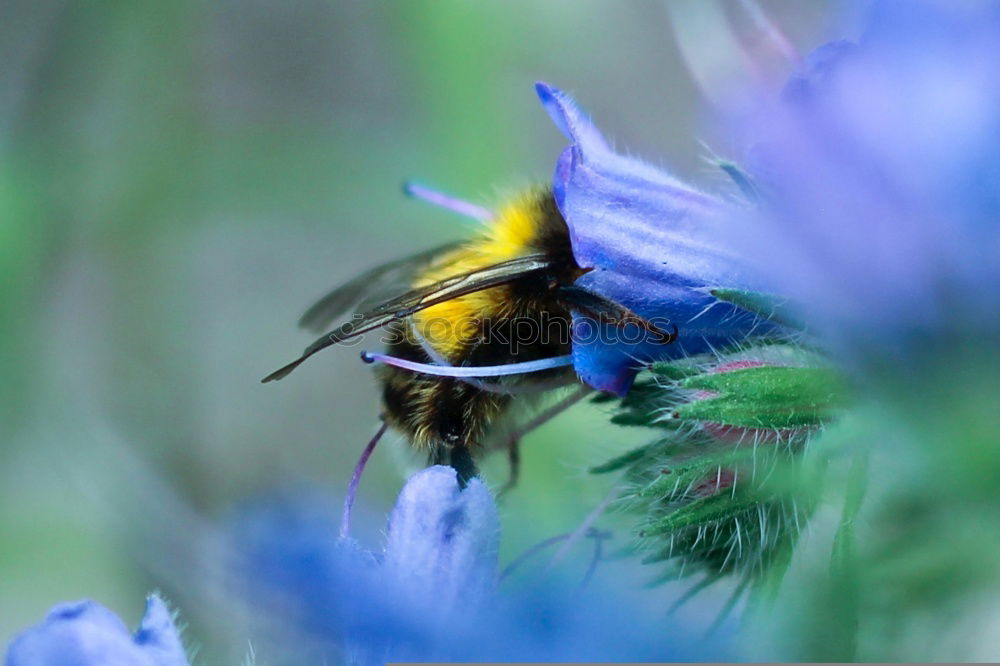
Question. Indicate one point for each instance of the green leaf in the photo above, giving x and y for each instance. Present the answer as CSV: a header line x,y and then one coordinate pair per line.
x,y
767,397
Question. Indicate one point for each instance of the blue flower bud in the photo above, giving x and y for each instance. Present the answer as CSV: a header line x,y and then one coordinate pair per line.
x,y
84,633
443,540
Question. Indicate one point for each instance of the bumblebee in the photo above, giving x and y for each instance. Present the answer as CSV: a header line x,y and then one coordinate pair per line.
x,y
484,321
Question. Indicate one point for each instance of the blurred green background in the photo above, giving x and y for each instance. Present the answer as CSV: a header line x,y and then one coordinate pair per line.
x,y
179,180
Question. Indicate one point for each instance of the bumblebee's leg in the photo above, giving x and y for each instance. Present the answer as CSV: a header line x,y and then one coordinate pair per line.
x,y
514,458
465,466
609,312
514,438
459,458
459,416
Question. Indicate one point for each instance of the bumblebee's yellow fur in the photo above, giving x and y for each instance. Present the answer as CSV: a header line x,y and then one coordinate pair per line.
x,y
448,326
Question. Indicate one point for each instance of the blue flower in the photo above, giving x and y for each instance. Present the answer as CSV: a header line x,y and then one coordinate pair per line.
x,y
880,167
432,594
652,245
436,572
442,542
84,633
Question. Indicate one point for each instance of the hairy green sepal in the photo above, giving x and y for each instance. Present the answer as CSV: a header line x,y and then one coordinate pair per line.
x,y
767,306
773,397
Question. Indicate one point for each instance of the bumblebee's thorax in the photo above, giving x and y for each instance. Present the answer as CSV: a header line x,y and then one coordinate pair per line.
x,y
530,224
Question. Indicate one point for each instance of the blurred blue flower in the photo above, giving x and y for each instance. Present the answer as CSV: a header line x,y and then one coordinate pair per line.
x,y
651,242
438,565
432,594
880,167
84,633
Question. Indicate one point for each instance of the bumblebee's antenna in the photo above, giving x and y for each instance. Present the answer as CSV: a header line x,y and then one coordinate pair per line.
x,y
352,487
606,311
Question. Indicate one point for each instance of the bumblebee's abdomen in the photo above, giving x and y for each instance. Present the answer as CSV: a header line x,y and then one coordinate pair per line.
x,y
435,413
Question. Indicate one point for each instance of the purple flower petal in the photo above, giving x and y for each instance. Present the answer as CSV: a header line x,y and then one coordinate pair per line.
x,y
652,244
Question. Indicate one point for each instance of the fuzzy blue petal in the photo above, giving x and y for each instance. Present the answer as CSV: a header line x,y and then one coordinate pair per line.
x,y
158,636
84,633
652,244
443,540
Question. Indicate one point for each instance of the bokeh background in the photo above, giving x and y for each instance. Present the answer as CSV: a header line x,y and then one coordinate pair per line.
x,y
179,180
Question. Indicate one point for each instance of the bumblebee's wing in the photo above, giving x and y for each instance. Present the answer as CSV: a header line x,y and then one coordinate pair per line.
x,y
419,299
370,287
